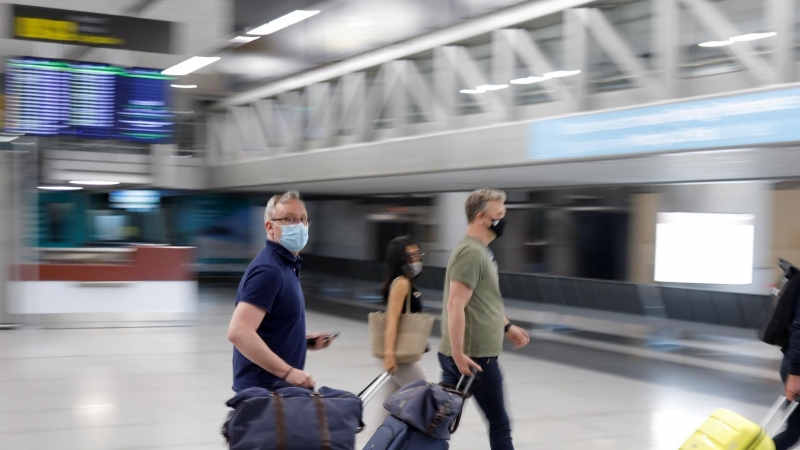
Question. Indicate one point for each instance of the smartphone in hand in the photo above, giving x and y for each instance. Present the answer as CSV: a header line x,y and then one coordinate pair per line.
x,y
326,338
331,336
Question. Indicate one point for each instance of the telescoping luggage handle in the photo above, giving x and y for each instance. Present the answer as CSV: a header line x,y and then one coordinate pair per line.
x,y
374,387
469,382
454,427
369,393
778,415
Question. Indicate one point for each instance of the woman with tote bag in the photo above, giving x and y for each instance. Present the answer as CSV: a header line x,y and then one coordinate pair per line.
x,y
400,335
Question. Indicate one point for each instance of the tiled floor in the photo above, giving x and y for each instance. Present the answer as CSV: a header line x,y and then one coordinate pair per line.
x,y
165,388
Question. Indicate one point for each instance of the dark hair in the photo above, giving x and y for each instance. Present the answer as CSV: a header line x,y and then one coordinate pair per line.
x,y
395,260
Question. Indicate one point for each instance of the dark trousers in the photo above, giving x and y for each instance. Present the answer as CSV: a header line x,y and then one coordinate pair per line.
x,y
488,392
791,436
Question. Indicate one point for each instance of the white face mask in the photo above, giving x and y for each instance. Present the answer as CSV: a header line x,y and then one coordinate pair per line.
x,y
415,268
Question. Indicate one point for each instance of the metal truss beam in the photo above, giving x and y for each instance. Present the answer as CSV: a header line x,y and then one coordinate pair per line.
x,y
504,66
505,18
420,93
780,18
250,134
620,52
344,104
353,89
319,103
472,76
445,81
710,15
666,47
139,6
576,52
537,63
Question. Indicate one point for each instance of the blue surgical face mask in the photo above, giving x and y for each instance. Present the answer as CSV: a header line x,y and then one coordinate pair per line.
x,y
294,237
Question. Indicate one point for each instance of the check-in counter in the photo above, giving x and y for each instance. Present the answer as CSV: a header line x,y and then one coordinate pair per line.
x,y
128,286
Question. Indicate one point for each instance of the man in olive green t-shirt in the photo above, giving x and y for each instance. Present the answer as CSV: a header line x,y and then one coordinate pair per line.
x,y
473,316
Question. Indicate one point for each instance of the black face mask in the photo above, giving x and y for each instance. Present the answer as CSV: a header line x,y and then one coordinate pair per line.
x,y
498,226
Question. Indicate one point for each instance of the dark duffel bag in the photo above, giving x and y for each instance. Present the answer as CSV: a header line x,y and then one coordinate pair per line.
x,y
780,313
433,409
293,418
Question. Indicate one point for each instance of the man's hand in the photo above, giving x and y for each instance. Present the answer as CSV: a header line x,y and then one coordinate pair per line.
x,y
519,338
465,365
792,387
300,378
320,340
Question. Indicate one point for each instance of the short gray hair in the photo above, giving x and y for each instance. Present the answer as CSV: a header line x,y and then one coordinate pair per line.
x,y
284,198
477,201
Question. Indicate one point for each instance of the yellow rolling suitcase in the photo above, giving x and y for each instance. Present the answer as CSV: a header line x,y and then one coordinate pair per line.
x,y
726,430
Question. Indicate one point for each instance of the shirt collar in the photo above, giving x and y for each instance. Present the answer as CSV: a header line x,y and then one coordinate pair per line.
x,y
285,254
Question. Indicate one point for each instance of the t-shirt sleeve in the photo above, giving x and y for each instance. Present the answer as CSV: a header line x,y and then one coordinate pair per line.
x,y
467,267
261,287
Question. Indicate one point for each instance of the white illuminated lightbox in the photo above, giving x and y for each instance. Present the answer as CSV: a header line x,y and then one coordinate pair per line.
x,y
704,248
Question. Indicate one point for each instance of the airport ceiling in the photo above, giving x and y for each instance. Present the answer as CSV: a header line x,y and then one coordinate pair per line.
x,y
343,28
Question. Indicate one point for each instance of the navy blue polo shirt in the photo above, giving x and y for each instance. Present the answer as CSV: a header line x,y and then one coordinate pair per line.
x,y
272,282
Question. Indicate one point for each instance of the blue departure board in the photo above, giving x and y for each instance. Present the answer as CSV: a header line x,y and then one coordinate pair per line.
x,y
37,95
87,100
92,89
143,112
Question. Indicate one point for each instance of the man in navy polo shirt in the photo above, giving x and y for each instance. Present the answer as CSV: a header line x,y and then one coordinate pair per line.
x,y
268,328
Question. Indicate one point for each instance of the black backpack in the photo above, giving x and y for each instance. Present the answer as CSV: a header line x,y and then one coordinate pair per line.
x,y
780,314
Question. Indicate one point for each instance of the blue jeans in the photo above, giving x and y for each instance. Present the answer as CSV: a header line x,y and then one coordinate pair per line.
x,y
791,436
488,392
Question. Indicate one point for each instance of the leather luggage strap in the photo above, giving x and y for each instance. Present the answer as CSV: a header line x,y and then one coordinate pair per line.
x,y
441,414
322,420
280,423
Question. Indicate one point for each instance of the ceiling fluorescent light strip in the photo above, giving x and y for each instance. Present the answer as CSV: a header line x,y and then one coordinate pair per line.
x,y
190,65
713,44
94,183
529,80
562,73
753,36
741,38
282,22
243,39
491,87
60,188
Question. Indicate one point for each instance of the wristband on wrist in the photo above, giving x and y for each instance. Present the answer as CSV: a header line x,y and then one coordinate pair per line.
x,y
508,327
287,373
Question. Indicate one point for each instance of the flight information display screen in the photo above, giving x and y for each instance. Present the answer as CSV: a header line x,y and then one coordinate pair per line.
x,y
37,96
145,200
92,88
143,113
87,100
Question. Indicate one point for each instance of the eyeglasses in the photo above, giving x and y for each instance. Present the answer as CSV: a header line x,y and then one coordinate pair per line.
x,y
415,255
292,220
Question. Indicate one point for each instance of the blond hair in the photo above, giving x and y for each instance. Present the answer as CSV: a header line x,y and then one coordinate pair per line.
x,y
284,198
477,201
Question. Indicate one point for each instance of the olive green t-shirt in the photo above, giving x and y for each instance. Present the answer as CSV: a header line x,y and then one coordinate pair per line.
x,y
471,263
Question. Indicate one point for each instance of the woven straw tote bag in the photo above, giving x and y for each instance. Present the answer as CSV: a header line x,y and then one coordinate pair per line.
x,y
413,333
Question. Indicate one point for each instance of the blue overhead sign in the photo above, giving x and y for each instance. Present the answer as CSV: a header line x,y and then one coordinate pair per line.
x,y
736,121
